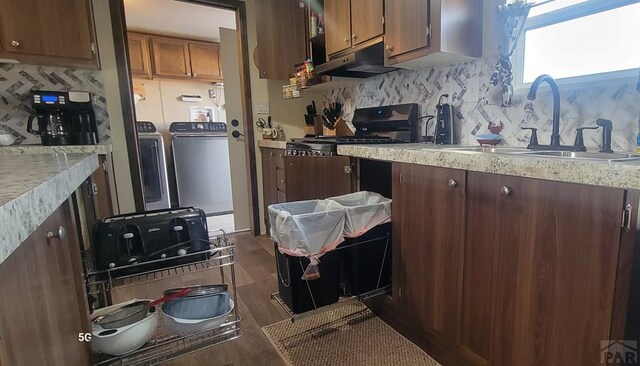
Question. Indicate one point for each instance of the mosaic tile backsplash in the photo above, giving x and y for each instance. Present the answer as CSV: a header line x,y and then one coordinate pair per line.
x,y
477,103
17,81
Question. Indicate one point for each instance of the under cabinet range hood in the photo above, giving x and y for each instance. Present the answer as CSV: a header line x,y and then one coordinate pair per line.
x,y
362,63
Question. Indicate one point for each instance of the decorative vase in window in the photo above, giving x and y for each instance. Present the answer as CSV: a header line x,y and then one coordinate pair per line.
x,y
512,18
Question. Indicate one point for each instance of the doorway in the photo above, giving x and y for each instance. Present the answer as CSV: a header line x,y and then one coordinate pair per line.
x,y
160,99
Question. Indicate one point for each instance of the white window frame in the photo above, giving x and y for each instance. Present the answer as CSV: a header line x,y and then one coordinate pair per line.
x,y
561,15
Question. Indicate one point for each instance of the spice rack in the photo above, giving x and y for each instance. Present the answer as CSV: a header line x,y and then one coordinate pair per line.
x,y
165,346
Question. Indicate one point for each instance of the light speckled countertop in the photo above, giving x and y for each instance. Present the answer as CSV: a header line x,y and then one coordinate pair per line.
x,y
273,144
32,187
100,149
617,175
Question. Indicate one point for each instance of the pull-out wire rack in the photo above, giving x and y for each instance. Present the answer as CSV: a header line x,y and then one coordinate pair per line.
x,y
165,345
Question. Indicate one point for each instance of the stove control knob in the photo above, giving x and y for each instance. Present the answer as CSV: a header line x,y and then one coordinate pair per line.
x,y
112,265
163,256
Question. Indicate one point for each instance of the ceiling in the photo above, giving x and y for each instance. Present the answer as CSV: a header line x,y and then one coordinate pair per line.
x,y
177,18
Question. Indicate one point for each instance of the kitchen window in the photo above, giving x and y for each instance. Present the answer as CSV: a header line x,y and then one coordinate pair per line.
x,y
580,41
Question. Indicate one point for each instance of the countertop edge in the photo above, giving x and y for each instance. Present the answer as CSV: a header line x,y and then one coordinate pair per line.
x,y
27,212
612,175
100,149
272,144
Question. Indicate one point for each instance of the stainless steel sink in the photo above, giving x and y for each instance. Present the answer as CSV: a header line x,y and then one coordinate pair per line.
x,y
487,149
591,156
569,155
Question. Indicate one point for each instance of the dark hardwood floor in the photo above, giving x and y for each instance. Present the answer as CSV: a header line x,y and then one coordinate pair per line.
x,y
256,279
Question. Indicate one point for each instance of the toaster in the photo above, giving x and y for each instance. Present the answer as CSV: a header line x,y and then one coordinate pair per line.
x,y
130,240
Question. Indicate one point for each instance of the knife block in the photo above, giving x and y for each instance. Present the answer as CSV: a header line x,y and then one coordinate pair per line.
x,y
342,129
318,126
328,131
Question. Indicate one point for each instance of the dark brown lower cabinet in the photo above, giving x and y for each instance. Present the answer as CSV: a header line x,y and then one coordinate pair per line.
x,y
540,269
498,270
43,305
317,177
428,212
272,179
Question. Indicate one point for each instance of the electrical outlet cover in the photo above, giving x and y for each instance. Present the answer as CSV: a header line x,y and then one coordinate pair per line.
x,y
263,108
212,93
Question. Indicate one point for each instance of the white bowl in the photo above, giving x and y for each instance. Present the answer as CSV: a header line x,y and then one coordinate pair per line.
x,y
186,327
120,341
7,139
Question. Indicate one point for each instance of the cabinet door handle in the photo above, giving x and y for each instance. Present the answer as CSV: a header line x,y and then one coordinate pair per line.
x,y
389,49
15,43
626,218
59,234
452,183
354,36
272,153
188,74
194,75
346,39
506,191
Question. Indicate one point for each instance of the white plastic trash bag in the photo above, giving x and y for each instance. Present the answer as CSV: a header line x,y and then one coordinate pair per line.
x,y
363,211
307,228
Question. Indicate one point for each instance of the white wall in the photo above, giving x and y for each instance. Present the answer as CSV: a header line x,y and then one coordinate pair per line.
x,y
122,174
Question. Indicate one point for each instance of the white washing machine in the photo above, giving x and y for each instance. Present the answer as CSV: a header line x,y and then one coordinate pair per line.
x,y
153,164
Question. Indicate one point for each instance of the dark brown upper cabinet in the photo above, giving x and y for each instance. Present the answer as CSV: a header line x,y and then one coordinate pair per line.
x,y
282,37
367,20
54,32
338,25
422,33
139,56
350,23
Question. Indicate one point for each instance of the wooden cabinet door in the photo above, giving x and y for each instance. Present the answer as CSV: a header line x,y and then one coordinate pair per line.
x,y
406,26
282,40
171,57
366,20
205,61
428,232
337,18
56,32
139,57
540,265
43,305
317,177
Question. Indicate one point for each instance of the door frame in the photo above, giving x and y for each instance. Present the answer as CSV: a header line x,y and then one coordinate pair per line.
x,y
120,39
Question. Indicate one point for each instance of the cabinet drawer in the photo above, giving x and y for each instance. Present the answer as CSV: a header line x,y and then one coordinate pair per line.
x,y
280,179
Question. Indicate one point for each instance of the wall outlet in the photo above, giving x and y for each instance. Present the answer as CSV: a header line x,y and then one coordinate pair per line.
x,y
212,93
263,108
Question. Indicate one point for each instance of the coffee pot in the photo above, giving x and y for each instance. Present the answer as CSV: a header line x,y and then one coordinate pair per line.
x,y
51,128
64,118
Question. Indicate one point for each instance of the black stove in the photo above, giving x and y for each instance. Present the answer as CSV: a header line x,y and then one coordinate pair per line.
x,y
392,124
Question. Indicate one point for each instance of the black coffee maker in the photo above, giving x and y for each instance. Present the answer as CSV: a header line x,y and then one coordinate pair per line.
x,y
64,118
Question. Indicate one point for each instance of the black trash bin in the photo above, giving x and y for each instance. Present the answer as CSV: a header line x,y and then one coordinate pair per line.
x,y
301,295
366,261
